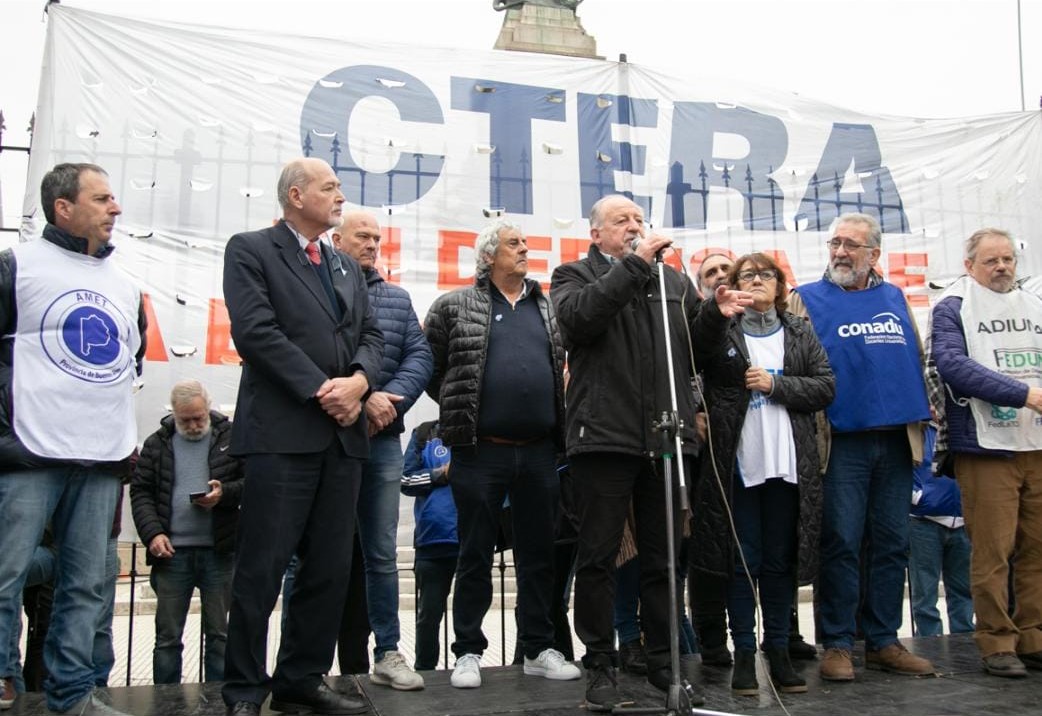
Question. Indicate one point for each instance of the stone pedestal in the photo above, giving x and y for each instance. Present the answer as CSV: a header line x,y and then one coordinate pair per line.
x,y
549,30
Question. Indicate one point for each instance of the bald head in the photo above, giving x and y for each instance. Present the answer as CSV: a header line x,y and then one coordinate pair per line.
x,y
359,237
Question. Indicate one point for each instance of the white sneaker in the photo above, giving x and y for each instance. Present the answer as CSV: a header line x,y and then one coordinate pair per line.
x,y
551,664
467,674
393,671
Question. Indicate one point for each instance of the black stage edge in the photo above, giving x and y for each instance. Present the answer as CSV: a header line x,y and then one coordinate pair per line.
x,y
960,688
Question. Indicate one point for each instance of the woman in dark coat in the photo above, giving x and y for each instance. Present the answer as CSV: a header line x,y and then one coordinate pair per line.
x,y
763,385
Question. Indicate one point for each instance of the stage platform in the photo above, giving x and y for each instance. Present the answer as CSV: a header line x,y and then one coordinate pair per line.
x,y
960,688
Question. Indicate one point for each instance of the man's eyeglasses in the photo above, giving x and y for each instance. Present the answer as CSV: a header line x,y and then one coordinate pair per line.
x,y
765,275
848,246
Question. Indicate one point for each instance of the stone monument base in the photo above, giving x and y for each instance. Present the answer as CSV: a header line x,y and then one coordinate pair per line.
x,y
549,30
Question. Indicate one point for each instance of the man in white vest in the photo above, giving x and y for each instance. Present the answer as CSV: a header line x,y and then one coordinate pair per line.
x,y
987,344
73,329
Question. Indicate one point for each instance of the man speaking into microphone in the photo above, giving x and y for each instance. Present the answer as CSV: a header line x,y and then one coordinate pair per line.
x,y
609,312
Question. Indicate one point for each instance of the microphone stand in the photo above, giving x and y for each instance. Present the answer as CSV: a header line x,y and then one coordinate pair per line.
x,y
680,694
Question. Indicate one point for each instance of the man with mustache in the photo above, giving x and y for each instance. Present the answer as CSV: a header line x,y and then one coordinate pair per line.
x,y
875,425
986,344
185,501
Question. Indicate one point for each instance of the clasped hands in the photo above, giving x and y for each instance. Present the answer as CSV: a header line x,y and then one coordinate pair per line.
x,y
341,398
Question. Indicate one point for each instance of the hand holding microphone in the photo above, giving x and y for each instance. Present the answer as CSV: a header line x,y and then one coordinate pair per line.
x,y
650,248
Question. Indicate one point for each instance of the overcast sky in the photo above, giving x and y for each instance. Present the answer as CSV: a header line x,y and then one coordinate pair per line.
x,y
922,58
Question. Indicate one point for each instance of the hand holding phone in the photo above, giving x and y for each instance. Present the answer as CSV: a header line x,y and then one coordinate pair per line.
x,y
193,496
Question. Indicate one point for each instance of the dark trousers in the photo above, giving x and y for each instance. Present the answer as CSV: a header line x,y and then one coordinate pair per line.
x,y
765,518
605,484
303,504
352,644
433,584
707,594
482,477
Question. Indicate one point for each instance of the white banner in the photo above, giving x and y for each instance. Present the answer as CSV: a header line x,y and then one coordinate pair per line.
x,y
194,123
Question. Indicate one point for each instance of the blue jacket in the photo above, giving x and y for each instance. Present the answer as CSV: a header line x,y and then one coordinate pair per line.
x,y
966,377
425,476
939,496
407,362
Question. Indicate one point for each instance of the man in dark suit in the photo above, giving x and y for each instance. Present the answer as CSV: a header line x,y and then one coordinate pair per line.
x,y
309,344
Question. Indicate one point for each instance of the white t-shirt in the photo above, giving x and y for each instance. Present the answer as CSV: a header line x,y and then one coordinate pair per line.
x,y
766,449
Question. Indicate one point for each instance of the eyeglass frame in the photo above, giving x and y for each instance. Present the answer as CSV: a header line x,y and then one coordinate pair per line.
x,y
850,247
749,275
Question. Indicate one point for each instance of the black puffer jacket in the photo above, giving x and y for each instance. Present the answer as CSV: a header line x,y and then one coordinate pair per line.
x,y
457,328
153,482
806,386
611,323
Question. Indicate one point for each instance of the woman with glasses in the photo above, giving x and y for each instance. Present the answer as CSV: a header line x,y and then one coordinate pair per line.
x,y
763,385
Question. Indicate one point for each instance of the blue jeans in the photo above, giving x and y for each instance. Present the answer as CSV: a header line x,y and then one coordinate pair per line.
x,y
173,580
80,503
40,570
104,653
378,527
868,490
765,518
936,550
482,476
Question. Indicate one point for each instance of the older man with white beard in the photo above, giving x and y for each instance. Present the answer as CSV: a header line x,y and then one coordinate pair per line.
x,y
875,426
185,501
986,344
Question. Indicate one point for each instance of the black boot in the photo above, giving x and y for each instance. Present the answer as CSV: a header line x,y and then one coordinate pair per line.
x,y
743,678
632,658
783,675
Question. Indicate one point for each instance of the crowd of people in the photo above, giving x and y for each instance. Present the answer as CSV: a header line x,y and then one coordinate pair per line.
x,y
815,442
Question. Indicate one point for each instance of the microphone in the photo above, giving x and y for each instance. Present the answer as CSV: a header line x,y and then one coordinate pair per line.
x,y
658,254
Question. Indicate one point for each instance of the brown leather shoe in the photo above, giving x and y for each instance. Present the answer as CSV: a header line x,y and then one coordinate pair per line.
x,y
896,659
836,665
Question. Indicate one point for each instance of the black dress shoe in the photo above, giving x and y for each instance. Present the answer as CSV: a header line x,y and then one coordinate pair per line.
x,y
323,700
347,685
244,708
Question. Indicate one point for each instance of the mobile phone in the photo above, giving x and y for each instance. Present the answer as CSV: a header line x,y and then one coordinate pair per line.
x,y
193,496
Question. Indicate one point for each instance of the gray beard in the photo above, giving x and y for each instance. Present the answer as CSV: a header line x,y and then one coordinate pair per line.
x,y
847,279
193,438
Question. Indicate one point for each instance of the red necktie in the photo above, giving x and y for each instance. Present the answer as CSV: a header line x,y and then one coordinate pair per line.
x,y
313,253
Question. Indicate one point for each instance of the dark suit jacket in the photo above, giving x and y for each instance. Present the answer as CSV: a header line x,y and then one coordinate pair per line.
x,y
290,342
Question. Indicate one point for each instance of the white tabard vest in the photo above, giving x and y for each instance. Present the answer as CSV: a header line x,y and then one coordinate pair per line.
x,y
74,352
1004,333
